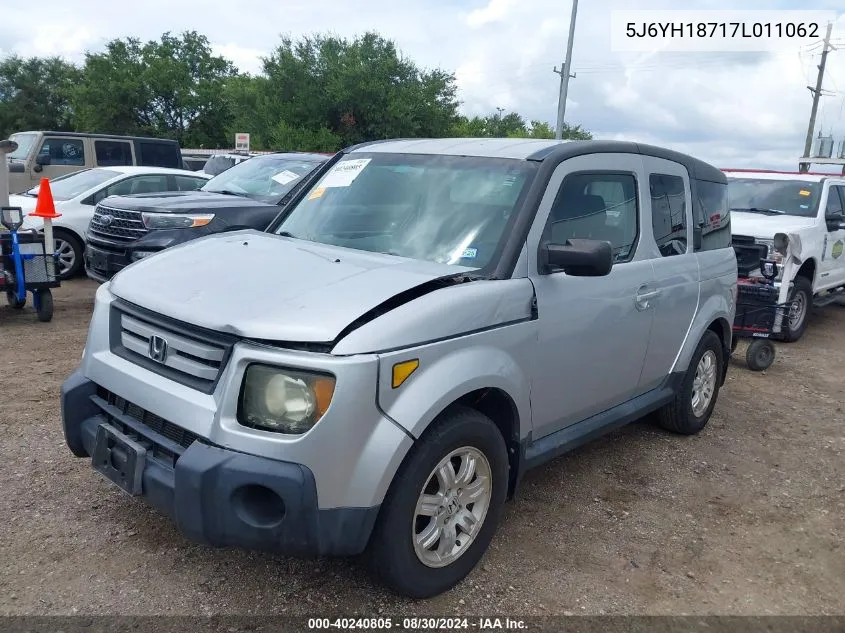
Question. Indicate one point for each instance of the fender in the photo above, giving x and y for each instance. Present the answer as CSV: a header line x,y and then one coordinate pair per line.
x,y
451,369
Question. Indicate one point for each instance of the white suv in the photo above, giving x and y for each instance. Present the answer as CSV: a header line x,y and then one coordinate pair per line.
x,y
810,206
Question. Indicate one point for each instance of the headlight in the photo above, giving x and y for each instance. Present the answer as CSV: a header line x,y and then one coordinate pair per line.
x,y
284,400
176,220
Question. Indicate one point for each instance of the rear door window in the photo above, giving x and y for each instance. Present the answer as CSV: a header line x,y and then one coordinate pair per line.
x,y
188,183
113,153
668,213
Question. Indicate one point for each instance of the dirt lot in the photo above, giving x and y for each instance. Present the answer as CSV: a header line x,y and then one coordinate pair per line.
x,y
746,518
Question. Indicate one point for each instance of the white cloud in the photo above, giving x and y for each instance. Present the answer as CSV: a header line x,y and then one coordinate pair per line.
x,y
495,11
737,109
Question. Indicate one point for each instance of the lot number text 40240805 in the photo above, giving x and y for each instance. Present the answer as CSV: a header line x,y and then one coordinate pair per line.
x,y
418,624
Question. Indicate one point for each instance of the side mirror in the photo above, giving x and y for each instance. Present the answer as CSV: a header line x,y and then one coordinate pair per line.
x,y
697,235
578,257
43,159
835,221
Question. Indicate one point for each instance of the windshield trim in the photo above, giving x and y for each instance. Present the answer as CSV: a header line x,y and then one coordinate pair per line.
x,y
491,268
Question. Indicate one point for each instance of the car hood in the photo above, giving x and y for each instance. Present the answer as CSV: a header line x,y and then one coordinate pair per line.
x,y
765,226
261,286
183,202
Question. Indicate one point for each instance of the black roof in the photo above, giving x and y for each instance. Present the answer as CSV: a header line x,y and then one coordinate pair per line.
x,y
91,135
697,169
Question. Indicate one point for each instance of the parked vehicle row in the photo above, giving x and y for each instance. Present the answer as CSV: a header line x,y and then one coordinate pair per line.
x,y
810,208
127,228
421,323
77,194
43,154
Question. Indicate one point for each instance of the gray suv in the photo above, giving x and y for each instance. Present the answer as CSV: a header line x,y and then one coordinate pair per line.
x,y
425,321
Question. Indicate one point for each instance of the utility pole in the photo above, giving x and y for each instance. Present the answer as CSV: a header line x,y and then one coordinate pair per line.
x,y
817,93
565,73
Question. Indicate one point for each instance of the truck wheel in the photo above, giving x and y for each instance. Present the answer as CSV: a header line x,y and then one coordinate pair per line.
x,y
690,411
760,355
800,302
443,506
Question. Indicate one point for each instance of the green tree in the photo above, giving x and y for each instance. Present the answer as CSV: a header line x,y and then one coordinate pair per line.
x,y
512,125
327,89
172,87
35,94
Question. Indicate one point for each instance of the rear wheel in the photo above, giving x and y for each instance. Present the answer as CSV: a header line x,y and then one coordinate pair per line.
x,y
443,507
69,249
690,411
12,299
800,302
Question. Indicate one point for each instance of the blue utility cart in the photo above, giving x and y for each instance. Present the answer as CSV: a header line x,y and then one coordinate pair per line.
x,y
25,267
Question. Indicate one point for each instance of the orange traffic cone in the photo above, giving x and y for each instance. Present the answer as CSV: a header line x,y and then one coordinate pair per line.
x,y
44,207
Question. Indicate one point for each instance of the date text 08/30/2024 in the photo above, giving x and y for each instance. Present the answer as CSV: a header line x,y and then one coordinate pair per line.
x,y
417,624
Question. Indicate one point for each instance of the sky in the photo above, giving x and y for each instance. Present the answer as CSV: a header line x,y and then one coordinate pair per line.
x,y
733,109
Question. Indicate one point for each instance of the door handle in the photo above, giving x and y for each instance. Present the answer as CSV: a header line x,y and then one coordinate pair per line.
x,y
643,298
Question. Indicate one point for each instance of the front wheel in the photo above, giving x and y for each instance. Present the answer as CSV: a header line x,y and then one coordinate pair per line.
x,y
760,355
443,507
44,305
800,302
13,301
693,405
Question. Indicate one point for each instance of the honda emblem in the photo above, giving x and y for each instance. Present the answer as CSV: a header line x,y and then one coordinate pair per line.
x,y
158,348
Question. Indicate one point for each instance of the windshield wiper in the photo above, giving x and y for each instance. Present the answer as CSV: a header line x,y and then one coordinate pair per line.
x,y
759,210
29,194
226,192
287,234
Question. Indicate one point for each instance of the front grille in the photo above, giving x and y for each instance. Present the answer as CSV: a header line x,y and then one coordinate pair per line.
x,y
748,254
117,224
178,351
167,440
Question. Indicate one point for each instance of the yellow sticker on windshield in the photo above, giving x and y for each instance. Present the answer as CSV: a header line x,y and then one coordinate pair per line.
x,y
803,192
317,193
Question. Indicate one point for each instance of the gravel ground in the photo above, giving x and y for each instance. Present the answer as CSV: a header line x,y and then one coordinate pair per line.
x,y
745,518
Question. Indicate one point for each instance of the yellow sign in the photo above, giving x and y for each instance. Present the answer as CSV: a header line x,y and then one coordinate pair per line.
x,y
317,193
803,192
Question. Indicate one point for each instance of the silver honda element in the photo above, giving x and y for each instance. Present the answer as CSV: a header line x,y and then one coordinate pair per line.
x,y
427,320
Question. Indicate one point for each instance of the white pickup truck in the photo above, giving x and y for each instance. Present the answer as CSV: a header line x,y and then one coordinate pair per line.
x,y
809,206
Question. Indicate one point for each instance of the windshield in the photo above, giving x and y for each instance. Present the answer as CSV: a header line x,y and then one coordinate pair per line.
x,y
444,209
218,164
77,183
24,142
264,178
774,197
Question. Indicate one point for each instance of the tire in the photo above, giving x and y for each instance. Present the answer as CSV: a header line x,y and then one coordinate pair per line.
x,y
734,343
392,553
71,254
45,305
12,299
802,291
760,355
680,415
